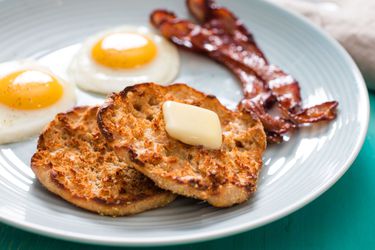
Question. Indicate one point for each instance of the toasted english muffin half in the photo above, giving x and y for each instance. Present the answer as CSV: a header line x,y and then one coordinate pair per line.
x,y
133,124
74,161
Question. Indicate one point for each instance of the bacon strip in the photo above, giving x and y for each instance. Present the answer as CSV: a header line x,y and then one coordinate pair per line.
x,y
224,38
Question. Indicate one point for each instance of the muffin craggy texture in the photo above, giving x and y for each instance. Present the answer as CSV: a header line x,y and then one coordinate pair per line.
x,y
133,124
74,161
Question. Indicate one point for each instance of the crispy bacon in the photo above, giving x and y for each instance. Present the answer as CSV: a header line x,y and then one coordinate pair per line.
x,y
321,112
271,124
223,37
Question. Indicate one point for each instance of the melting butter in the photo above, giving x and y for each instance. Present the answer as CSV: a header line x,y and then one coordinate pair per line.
x,y
192,125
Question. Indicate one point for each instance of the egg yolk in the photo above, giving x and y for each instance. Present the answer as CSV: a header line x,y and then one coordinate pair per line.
x,y
29,89
124,50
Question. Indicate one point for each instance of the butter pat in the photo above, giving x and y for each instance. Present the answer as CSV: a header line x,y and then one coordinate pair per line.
x,y
192,125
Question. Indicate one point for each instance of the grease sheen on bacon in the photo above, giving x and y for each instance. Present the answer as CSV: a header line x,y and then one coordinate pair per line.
x,y
224,38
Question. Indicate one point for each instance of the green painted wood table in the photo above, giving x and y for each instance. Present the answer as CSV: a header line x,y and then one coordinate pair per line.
x,y
342,218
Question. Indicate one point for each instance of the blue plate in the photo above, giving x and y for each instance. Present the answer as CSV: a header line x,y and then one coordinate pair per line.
x,y
294,173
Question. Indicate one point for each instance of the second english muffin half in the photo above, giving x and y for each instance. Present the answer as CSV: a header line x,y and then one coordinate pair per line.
x,y
74,161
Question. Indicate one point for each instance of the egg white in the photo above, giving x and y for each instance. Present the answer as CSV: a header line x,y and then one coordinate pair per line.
x,y
17,125
91,76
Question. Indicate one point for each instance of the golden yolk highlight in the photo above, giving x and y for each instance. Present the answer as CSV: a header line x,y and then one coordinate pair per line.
x,y
29,89
124,50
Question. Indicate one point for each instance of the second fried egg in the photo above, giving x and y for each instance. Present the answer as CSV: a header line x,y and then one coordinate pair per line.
x,y
30,96
114,59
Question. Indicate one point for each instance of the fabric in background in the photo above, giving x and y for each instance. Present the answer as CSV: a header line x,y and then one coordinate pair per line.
x,y
351,22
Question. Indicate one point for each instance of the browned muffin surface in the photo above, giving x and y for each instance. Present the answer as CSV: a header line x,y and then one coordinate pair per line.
x,y
133,124
74,161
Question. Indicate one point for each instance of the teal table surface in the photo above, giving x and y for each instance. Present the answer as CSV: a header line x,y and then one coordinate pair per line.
x,y
341,218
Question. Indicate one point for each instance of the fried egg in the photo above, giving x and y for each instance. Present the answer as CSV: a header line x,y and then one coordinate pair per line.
x,y
114,59
30,96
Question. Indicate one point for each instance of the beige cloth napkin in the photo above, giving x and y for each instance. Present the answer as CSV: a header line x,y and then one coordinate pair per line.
x,y
351,22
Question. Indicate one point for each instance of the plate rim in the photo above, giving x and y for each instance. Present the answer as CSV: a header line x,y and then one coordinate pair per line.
x,y
235,229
